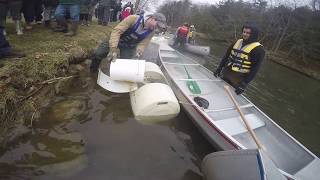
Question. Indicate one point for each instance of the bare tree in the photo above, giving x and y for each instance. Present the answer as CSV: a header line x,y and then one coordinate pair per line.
x,y
315,5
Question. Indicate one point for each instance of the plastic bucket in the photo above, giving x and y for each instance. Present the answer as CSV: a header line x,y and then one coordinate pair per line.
x,y
128,70
115,86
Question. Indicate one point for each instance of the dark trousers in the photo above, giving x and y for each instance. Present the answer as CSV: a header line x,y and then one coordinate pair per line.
x,y
4,44
179,40
32,10
84,17
104,14
114,17
231,77
15,11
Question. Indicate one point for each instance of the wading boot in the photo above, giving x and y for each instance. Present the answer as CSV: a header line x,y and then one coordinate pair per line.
x,y
28,26
62,25
94,64
47,24
14,53
74,28
18,27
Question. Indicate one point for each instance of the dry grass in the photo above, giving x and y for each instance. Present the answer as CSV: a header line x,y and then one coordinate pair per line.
x,y
48,56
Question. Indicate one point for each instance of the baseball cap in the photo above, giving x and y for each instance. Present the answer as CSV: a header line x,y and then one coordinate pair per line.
x,y
161,20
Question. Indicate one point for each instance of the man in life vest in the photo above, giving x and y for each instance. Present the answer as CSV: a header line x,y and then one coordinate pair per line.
x,y
242,60
181,35
130,37
191,35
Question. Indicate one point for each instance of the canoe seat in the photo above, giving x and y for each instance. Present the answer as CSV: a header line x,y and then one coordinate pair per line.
x,y
234,126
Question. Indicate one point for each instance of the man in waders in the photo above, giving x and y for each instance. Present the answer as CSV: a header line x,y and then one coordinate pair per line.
x,y
130,37
242,60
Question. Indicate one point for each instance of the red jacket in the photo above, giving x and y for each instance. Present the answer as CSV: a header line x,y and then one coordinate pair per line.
x,y
183,31
125,13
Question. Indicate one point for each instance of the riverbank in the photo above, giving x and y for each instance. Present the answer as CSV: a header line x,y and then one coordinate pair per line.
x,y
51,64
310,69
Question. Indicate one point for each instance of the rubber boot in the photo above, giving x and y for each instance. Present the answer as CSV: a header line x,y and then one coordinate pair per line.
x,y
74,28
63,26
18,27
95,65
14,53
28,26
47,24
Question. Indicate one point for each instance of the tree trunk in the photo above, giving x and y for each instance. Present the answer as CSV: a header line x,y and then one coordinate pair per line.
x,y
136,6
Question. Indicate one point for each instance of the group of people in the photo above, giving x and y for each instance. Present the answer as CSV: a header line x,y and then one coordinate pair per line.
x,y
132,35
184,34
78,11
107,11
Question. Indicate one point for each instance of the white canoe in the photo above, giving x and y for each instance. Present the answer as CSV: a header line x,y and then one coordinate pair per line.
x,y
221,122
196,49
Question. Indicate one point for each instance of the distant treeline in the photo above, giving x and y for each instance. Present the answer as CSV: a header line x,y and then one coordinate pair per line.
x,y
291,31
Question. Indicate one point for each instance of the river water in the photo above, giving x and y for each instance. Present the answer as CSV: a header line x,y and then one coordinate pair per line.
x,y
89,133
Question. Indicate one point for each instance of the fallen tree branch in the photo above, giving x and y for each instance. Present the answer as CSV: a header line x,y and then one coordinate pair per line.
x,y
50,81
56,79
31,94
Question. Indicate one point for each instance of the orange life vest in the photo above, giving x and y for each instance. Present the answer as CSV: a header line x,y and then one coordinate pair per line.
x,y
183,31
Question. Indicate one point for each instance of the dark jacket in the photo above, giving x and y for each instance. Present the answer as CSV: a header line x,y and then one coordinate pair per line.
x,y
109,3
50,3
3,42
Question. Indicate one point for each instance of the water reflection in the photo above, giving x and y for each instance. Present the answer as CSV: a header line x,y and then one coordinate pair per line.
x,y
50,145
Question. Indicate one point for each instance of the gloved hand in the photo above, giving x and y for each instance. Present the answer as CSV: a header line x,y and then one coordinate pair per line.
x,y
217,73
138,54
113,54
240,89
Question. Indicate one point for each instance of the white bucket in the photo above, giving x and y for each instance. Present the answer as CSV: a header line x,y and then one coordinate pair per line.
x,y
153,74
154,102
115,86
128,70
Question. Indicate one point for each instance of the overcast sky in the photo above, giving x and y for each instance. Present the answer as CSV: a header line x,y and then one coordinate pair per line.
x,y
205,1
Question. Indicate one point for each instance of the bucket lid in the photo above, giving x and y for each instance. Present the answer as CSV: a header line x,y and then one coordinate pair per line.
x,y
115,86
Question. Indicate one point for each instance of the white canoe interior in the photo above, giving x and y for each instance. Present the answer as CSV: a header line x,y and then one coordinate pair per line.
x,y
287,153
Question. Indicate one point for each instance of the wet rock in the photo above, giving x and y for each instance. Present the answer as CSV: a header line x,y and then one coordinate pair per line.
x,y
63,86
87,62
66,110
66,169
78,55
75,69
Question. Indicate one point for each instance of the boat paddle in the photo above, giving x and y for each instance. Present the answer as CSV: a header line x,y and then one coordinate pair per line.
x,y
252,133
192,85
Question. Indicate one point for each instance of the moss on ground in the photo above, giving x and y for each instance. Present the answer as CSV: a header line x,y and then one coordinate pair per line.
x,y
49,55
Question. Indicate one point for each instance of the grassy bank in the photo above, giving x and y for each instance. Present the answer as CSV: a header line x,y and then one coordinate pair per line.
x,y
28,83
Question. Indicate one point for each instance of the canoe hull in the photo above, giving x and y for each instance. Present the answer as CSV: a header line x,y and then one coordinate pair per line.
x,y
212,133
200,50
